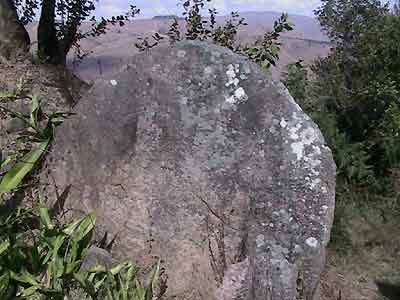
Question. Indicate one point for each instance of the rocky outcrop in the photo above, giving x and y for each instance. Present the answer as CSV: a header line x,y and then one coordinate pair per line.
x,y
193,154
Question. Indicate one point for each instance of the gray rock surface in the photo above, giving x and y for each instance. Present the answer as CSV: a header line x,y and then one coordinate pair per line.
x,y
97,257
193,154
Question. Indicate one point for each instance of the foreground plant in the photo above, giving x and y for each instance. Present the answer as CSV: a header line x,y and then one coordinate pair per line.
x,y
42,259
36,137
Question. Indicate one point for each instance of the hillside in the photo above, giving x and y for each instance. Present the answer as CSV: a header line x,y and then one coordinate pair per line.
x,y
109,52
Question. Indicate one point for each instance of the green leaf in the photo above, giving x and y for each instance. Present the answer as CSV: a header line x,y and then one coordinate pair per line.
x,y
98,269
59,266
81,277
85,227
155,276
4,246
100,283
14,177
24,276
4,281
26,293
35,109
44,213
72,267
117,269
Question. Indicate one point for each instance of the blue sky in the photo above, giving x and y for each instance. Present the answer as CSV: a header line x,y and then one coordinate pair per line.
x,y
161,7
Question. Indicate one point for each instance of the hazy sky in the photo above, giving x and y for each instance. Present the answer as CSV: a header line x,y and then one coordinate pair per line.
x,y
162,7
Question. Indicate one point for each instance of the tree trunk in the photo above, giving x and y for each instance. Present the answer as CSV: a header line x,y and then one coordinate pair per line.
x,y
48,43
14,39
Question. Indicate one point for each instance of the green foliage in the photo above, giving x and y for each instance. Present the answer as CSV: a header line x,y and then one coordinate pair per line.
x,y
345,21
42,259
354,96
389,130
226,34
36,137
296,80
196,28
13,178
264,51
364,93
174,33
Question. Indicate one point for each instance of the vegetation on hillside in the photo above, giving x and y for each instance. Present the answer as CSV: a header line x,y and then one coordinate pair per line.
x,y
354,96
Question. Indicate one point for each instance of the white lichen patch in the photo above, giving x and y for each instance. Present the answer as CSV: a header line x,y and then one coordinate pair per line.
x,y
312,242
231,73
260,240
181,53
304,142
283,123
298,149
239,94
113,82
208,71
314,183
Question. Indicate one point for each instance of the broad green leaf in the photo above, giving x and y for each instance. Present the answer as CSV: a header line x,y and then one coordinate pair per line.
x,y
58,266
44,213
85,227
4,281
70,229
72,267
155,274
100,283
117,269
24,276
14,177
98,269
26,293
81,278
59,241
35,109
4,246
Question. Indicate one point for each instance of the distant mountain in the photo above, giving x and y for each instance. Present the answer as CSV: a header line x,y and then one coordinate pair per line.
x,y
111,51
167,17
305,27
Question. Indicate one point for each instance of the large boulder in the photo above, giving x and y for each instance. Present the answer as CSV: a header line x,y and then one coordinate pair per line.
x,y
194,155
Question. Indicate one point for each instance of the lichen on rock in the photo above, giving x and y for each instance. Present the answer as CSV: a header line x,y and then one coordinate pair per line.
x,y
199,158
